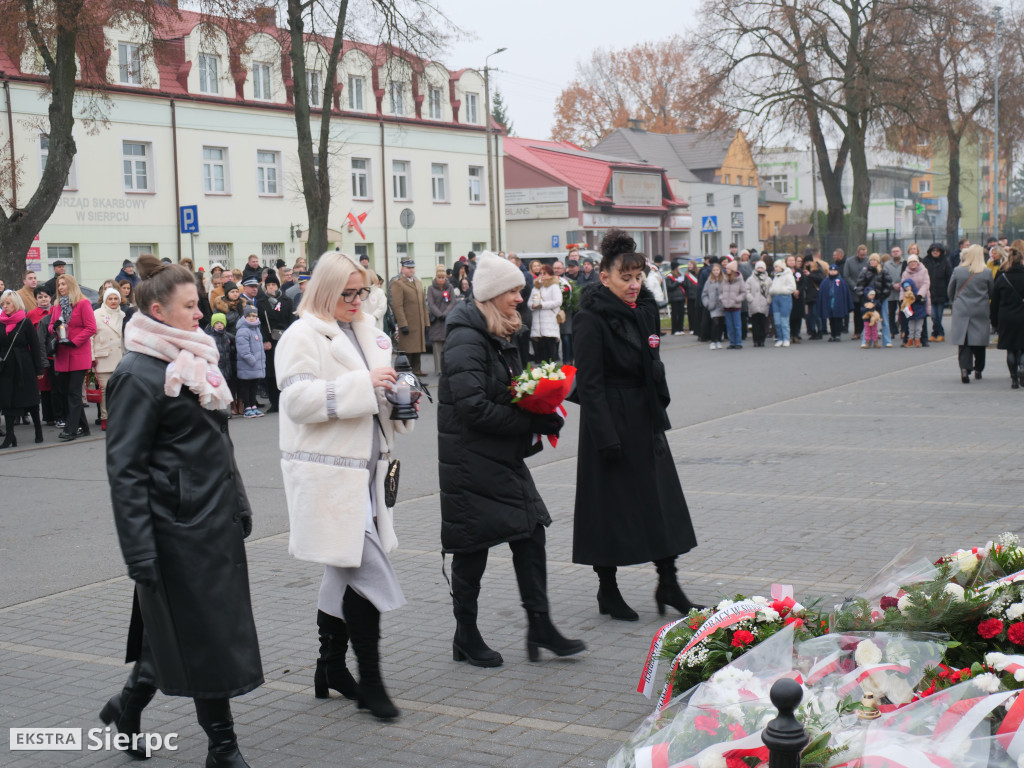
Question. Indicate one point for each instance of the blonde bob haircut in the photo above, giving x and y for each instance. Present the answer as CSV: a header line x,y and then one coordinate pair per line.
x,y
974,259
331,276
74,292
19,305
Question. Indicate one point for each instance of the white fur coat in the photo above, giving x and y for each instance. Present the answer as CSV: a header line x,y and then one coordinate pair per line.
x,y
327,409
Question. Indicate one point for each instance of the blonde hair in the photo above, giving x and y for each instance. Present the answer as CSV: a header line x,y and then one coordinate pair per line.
x,y
19,305
913,248
497,323
330,278
974,259
74,292
876,257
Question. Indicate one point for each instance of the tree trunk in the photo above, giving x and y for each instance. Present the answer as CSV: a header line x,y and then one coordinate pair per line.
x,y
953,193
861,198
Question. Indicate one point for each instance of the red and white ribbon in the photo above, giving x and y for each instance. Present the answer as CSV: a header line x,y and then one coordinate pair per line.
x,y
851,680
646,685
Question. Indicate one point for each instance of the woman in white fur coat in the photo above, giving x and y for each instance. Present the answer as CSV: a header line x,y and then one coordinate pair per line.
x,y
333,366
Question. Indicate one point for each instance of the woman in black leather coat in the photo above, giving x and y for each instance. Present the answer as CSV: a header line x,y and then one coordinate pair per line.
x,y
181,514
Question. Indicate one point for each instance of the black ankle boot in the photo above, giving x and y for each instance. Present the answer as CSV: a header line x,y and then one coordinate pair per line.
x,y
609,599
363,620
668,591
1014,383
469,646
214,716
331,671
124,711
965,376
542,634
10,441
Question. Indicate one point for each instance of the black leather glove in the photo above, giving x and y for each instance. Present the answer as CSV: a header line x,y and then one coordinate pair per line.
x,y
546,424
611,455
145,572
405,330
246,521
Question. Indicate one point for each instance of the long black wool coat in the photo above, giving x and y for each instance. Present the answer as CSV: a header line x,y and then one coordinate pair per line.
x,y
631,510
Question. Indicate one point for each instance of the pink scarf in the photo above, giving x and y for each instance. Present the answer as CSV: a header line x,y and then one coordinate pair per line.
x,y
191,357
11,321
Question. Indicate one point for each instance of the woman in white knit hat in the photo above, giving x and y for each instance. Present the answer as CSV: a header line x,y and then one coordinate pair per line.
x,y
487,494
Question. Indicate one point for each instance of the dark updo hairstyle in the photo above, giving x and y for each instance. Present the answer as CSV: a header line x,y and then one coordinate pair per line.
x,y
159,281
618,251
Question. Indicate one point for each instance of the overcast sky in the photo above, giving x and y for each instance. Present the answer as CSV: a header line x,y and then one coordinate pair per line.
x,y
545,39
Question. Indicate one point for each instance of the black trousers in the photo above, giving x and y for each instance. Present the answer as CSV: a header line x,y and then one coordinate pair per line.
x,y
545,349
796,318
759,328
529,559
835,326
744,322
247,391
972,358
273,393
717,328
1014,360
67,387
693,314
678,310
858,320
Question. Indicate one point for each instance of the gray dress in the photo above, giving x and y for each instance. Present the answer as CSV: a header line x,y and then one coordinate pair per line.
x,y
374,579
970,295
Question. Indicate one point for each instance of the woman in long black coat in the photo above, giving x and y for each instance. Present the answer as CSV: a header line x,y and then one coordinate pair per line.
x,y
1007,311
21,369
181,514
487,494
629,503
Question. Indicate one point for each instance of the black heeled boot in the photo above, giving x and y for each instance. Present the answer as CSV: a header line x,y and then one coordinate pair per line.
x,y
609,599
363,621
669,591
124,711
214,716
10,441
37,423
542,634
331,671
468,644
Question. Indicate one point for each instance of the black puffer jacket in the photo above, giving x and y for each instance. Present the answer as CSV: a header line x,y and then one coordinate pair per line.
x,y
939,272
873,277
487,494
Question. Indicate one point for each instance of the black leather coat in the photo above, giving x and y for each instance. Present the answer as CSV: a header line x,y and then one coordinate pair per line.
x,y
487,493
19,387
178,497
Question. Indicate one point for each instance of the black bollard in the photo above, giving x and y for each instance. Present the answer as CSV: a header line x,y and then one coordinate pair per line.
x,y
784,736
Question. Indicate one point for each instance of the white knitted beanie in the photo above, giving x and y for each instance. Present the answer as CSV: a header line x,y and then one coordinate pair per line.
x,y
494,276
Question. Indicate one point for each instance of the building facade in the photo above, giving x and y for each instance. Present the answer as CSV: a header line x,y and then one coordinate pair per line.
x,y
190,121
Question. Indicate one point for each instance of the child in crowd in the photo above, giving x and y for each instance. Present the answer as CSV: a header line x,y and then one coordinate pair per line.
x,y
226,350
834,302
251,360
872,319
913,308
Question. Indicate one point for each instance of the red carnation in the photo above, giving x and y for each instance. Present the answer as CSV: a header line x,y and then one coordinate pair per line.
x,y
737,731
706,724
1016,633
742,638
889,602
989,628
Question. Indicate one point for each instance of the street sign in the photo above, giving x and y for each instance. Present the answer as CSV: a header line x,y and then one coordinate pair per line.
x,y
188,218
554,241
709,224
407,218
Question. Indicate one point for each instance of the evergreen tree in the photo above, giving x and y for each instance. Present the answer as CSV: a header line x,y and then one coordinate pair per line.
x,y
499,113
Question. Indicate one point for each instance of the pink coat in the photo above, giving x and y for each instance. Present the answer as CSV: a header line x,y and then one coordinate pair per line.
x,y
76,356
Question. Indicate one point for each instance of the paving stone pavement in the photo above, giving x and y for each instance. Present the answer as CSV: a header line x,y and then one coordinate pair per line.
x,y
817,487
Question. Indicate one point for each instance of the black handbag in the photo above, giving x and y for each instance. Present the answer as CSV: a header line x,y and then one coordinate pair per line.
x,y
391,476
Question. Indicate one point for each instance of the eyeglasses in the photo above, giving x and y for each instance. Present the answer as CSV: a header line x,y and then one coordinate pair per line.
x,y
350,296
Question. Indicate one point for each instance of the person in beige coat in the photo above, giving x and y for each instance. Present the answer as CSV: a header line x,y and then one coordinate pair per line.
x,y
409,303
333,367
107,344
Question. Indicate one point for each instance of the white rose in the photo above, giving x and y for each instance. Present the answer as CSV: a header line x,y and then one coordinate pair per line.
x,y
955,591
988,682
714,760
767,615
967,562
904,603
1015,611
898,690
867,654
724,604
1019,675
760,600
996,660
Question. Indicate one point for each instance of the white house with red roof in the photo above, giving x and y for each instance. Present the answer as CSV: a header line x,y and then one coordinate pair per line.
x,y
199,112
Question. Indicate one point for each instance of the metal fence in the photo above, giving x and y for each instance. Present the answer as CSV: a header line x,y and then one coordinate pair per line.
x,y
880,242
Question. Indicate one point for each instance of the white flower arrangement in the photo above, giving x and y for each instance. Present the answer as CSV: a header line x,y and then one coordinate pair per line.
x,y
955,591
867,653
525,384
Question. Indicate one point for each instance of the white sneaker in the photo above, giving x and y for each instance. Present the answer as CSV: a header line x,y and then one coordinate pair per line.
x,y
785,343
678,333
778,343
712,345
719,344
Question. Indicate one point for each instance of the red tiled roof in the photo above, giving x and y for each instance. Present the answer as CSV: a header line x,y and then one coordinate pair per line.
x,y
589,173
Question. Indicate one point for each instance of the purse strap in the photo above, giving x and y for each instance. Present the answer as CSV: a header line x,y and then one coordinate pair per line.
x,y
13,339
965,285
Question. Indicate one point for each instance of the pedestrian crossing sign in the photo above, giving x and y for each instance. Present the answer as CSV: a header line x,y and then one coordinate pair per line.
x,y
709,224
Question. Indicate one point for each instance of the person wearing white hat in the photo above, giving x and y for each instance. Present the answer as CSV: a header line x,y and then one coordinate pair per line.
x,y
107,344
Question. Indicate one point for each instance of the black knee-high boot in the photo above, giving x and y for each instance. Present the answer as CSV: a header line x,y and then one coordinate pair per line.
x,y
34,413
10,441
124,711
363,620
609,599
1013,362
331,671
668,591
468,644
214,716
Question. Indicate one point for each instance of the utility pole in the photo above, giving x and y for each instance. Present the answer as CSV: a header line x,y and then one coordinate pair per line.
x,y
997,14
490,164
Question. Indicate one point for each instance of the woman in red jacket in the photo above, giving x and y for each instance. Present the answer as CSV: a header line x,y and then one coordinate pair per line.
x,y
73,323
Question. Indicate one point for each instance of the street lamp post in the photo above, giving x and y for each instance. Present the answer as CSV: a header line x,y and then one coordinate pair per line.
x,y
490,163
997,14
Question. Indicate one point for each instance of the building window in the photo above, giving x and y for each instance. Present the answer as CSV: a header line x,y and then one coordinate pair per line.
x,y
725,179
129,59
71,183
441,251
924,185
363,249
472,108
261,89
750,181
138,249
135,162
922,139
360,178
436,111
439,182
400,179
780,182
355,93
215,162
267,171
313,87
65,253
272,252
478,247
397,91
476,177
710,198
737,237
404,250
209,73
220,253
736,201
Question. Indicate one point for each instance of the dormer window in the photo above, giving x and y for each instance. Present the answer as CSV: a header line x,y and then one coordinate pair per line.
x,y
436,110
313,87
397,98
209,73
473,108
355,93
129,63
261,89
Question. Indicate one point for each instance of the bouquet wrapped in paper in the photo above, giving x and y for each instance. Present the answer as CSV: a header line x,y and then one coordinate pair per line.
x,y
542,389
